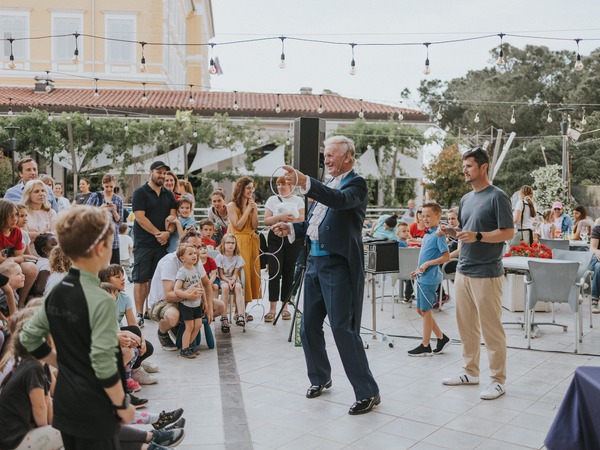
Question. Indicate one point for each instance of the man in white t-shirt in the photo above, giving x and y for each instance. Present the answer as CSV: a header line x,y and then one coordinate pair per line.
x,y
163,301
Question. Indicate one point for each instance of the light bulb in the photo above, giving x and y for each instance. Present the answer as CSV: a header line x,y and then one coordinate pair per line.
x,y
476,119
320,109
353,67
500,60
287,142
549,118
400,116
426,70
126,128
88,121
144,97
48,88
50,118
228,138
235,105
212,69
10,111
195,134
278,108
96,93
439,115
513,120
161,132
524,148
282,62
361,114
191,101
578,63
143,66
11,64
76,57
583,121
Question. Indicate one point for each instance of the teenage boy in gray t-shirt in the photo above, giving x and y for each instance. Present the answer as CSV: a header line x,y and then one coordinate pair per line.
x,y
486,218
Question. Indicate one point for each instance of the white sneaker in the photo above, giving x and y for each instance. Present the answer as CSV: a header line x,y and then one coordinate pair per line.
x,y
149,366
460,379
492,391
143,377
595,309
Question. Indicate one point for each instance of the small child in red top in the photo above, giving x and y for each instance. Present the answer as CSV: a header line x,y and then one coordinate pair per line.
x,y
207,229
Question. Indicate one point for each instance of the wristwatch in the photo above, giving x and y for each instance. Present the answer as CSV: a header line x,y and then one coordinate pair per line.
x,y
479,236
123,405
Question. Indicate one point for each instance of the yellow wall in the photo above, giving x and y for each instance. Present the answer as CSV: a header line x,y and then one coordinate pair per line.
x,y
154,23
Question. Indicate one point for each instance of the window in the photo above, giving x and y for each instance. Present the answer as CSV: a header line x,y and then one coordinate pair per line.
x,y
63,48
120,26
14,26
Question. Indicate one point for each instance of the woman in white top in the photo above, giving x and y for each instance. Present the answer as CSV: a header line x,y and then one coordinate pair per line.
x,y
524,215
41,217
282,208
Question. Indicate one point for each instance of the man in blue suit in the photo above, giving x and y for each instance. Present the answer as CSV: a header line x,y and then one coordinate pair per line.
x,y
334,280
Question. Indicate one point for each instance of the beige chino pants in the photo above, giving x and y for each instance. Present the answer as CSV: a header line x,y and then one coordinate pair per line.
x,y
479,311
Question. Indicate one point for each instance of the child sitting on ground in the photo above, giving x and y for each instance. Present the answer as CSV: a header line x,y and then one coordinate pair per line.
x,y
125,249
434,252
183,221
43,243
229,263
188,286
207,229
59,267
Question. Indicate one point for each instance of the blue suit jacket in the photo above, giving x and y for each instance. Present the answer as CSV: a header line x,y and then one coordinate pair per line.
x,y
340,232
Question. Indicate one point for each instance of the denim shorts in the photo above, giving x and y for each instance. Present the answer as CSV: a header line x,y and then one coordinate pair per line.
x,y
426,296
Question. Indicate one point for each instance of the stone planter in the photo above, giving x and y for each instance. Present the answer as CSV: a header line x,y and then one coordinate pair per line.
x,y
513,294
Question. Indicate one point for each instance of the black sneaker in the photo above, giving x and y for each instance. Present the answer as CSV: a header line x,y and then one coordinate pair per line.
x,y
187,353
167,418
442,344
137,402
170,438
140,320
179,424
421,350
166,342
146,316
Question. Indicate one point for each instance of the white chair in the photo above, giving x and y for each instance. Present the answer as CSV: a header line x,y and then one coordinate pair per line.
x,y
555,244
408,261
555,282
584,276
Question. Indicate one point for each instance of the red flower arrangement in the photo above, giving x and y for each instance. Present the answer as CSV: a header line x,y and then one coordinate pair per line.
x,y
535,250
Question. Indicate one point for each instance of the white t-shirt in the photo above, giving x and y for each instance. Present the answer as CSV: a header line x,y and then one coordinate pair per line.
x,y
166,270
527,218
288,205
125,243
229,264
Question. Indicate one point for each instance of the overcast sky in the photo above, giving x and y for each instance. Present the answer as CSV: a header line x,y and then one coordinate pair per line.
x,y
381,72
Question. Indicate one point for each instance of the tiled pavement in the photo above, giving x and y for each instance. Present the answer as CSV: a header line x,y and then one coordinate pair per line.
x,y
249,391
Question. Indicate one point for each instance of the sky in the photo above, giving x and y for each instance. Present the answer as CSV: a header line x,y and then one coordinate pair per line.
x,y
382,73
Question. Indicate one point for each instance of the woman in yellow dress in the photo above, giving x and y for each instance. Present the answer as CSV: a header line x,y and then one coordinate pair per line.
x,y
243,222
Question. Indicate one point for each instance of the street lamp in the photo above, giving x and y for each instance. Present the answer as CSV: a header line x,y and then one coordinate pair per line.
x,y
565,136
12,147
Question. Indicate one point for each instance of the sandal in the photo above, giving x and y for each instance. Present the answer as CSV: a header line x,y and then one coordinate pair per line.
x,y
239,321
269,317
286,315
249,318
224,325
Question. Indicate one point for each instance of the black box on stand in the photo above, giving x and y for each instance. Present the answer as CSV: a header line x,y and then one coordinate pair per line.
x,y
381,257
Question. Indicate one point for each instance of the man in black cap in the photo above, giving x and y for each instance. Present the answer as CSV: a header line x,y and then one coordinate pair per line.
x,y
151,204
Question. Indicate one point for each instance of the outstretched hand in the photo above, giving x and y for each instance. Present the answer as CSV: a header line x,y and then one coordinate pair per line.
x,y
295,177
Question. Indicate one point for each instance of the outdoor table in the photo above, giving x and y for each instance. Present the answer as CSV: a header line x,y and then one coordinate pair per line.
x,y
579,245
577,424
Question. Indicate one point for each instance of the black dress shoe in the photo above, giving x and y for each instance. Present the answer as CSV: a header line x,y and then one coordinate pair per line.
x,y
315,391
364,406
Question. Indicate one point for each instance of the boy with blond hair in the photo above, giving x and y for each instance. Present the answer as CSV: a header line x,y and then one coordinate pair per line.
x,y
434,252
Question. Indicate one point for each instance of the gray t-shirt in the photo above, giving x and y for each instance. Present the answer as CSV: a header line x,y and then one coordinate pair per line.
x,y
190,278
486,210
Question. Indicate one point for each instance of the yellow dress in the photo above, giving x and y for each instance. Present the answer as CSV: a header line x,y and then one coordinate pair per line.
x,y
249,246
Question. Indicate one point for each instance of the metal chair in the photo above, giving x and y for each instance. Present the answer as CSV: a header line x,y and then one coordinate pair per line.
x,y
446,277
558,244
584,275
408,261
554,282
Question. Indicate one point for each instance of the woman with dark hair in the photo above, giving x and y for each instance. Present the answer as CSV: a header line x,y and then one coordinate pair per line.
x,y
84,187
385,228
218,214
581,220
243,222
113,203
524,215
172,183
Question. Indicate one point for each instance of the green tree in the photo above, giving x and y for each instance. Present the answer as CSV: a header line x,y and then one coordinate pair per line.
x,y
444,178
549,187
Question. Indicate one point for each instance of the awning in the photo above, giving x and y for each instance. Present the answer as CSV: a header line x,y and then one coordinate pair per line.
x,y
267,165
206,156
366,165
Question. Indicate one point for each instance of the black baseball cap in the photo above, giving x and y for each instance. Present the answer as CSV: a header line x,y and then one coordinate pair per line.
x,y
159,164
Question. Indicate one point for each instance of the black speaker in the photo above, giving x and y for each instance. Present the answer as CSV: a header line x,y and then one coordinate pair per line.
x,y
381,257
309,134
